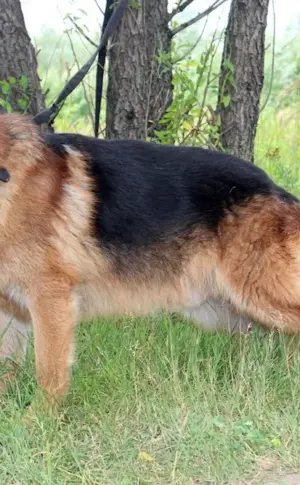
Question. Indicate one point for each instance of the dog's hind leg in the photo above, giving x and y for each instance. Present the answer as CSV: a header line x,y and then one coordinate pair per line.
x,y
259,268
214,315
14,336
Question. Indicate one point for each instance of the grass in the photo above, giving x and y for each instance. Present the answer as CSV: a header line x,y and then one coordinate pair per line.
x,y
278,147
157,401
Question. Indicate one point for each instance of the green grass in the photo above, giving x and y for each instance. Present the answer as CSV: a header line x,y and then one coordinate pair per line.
x,y
199,406
157,401
278,147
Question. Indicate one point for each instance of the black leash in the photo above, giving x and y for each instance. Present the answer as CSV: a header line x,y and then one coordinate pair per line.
x,y
49,115
100,67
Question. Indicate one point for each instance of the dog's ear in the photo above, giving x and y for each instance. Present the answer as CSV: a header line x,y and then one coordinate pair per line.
x,y
18,127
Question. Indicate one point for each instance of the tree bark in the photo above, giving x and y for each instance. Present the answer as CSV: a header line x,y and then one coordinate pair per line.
x,y
242,76
139,86
20,87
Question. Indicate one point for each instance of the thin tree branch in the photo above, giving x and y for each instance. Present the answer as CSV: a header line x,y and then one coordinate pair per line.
x,y
273,60
83,84
80,30
180,8
190,50
200,16
96,2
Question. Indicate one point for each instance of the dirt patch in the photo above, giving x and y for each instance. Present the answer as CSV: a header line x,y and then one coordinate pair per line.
x,y
290,479
287,480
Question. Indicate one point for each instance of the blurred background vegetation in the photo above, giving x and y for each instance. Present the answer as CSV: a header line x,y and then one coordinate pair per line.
x,y
277,147
196,55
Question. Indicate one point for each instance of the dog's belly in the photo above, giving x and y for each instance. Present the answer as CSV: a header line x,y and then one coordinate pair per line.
x,y
137,298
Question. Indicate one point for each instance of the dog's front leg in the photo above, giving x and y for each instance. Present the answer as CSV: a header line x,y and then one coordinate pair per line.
x,y
53,311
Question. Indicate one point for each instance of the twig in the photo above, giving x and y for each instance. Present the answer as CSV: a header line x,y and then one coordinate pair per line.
x,y
83,84
198,17
96,2
209,80
53,54
273,60
80,30
190,50
180,8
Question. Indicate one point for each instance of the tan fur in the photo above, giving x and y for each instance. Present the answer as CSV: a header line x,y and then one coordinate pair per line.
x,y
259,262
54,273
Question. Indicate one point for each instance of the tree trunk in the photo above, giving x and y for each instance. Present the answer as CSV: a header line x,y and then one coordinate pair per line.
x,y
19,83
242,75
139,85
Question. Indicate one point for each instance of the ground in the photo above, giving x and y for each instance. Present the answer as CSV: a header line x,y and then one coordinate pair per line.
x,y
283,479
157,401
287,480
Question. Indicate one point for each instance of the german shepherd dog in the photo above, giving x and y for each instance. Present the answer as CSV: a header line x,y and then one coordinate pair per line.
x,y
92,227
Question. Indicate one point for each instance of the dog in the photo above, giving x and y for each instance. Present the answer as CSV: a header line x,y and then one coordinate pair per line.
x,y
95,227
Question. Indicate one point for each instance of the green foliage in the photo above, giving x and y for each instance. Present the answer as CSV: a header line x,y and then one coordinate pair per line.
x,y
135,4
56,65
190,119
277,147
5,105
286,76
13,91
227,83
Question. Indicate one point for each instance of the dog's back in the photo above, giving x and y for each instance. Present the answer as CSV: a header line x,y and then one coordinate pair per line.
x,y
146,192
